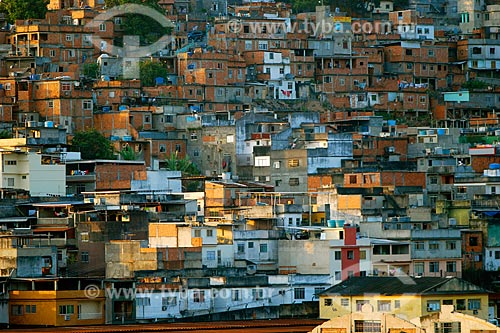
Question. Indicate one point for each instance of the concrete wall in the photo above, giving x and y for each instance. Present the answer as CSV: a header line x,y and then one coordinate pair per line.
x,y
303,256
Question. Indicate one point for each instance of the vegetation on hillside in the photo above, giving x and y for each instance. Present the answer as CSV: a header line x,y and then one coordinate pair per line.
x,y
92,145
23,9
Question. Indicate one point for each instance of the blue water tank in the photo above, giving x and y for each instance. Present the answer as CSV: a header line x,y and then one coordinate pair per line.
x,y
122,108
441,131
391,122
332,223
495,166
127,138
49,124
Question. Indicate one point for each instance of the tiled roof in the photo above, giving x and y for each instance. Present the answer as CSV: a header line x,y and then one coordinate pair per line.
x,y
402,285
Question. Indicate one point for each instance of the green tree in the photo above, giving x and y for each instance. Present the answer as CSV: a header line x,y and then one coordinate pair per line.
x,y
91,70
150,70
146,28
128,154
184,165
23,9
5,134
92,145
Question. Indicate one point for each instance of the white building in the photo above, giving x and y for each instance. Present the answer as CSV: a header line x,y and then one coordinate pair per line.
x,y
40,174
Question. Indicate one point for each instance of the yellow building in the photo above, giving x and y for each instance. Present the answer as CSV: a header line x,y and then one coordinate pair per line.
x,y
369,320
406,297
56,302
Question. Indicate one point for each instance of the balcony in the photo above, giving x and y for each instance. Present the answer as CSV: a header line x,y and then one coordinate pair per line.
x,y
54,221
81,178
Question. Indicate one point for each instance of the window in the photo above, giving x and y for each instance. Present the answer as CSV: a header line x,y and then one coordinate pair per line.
x,y
451,245
338,255
328,302
447,302
66,86
293,163
178,148
262,45
84,256
263,248
418,246
102,27
199,296
360,303
433,246
342,82
344,302
210,233
262,161
461,304
448,327
16,310
210,255
473,241
350,255
397,304
299,293
71,53
250,245
84,237
257,294
11,162
52,53
476,50
338,276
408,52
241,248
367,326
434,305
318,290
362,255
169,301
143,301
474,304
383,306
197,233
87,104
69,38
163,148
66,309
10,182
235,295
434,266
451,266
30,308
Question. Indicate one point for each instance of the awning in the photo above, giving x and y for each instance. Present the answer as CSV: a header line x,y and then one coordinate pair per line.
x,y
51,229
